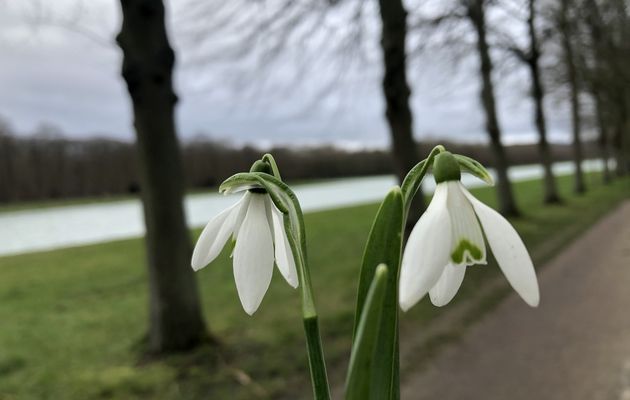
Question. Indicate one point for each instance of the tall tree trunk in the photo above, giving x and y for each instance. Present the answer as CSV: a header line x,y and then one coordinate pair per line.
x,y
569,59
538,93
602,140
622,139
599,81
175,322
396,91
507,204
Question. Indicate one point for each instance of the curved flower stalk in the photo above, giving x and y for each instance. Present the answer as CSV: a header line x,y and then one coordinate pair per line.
x,y
450,237
266,225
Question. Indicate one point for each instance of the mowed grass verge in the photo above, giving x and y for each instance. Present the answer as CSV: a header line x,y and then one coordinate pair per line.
x,y
72,320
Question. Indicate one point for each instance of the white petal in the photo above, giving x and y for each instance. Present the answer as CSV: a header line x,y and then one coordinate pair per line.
x,y
468,245
240,215
447,286
253,255
284,255
509,250
427,252
215,234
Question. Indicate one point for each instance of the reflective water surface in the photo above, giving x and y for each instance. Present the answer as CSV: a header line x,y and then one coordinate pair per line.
x,y
51,228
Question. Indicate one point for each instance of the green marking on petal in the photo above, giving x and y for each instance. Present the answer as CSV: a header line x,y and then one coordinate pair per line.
x,y
232,244
458,256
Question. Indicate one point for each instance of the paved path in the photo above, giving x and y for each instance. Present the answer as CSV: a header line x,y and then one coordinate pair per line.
x,y
574,346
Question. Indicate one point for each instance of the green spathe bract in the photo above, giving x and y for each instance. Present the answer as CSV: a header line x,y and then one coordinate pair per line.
x,y
473,167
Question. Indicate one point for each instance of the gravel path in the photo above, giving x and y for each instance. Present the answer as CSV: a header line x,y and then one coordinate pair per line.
x,y
575,345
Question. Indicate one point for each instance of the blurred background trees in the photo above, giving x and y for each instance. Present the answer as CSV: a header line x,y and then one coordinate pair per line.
x,y
574,51
106,167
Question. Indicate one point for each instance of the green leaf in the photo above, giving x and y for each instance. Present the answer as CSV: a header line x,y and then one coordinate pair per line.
x,y
384,247
474,167
365,355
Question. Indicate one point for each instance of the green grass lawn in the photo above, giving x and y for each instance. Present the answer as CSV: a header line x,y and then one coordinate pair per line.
x,y
72,320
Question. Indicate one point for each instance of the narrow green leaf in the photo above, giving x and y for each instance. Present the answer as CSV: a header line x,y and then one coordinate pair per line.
x,y
384,247
474,167
364,356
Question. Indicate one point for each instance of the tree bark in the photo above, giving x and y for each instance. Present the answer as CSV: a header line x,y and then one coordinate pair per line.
x,y
599,81
507,203
175,322
576,123
602,140
622,133
538,93
396,92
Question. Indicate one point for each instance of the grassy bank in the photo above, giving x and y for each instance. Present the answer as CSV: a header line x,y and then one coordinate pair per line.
x,y
73,319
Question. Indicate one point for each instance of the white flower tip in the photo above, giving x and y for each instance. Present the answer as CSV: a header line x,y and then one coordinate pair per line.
x,y
196,265
532,299
250,304
439,302
405,306
250,310
294,283
406,301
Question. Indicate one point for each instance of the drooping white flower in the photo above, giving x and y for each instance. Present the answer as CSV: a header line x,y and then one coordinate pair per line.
x,y
449,237
257,226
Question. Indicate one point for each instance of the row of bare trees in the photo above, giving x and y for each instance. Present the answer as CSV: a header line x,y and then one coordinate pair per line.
x,y
47,166
596,62
587,46
574,51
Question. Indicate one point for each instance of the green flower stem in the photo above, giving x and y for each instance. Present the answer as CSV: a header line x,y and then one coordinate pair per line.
x,y
317,363
414,178
286,201
268,158
319,377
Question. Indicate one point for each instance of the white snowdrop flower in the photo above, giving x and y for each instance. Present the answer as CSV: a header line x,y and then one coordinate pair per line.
x,y
450,237
257,227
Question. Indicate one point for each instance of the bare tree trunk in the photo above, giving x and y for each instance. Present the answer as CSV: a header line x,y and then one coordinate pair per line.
x,y
176,321
569,58
396,91
623,133
507,204
538,93
602,139
599,81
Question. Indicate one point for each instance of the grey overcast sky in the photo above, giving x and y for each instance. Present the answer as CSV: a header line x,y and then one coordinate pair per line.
x,y
59,65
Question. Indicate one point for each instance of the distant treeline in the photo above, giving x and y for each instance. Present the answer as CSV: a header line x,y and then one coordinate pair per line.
x,y
38,168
